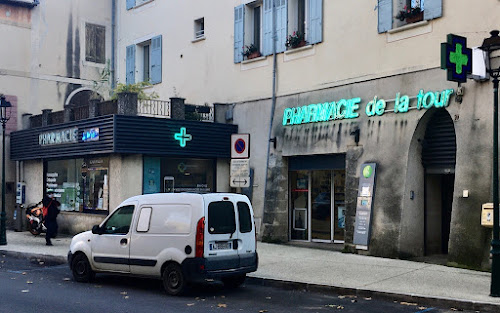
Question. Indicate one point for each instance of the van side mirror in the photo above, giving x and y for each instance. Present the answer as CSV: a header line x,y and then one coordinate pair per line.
x,y
96,230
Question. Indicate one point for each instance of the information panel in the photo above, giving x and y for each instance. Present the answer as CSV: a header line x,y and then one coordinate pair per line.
x,y
364,205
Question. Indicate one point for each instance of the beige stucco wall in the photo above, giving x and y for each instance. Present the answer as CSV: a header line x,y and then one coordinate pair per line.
x,y
351,51
125,178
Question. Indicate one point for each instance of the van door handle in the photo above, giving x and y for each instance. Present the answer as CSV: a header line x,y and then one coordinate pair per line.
x,y
235,244
123,241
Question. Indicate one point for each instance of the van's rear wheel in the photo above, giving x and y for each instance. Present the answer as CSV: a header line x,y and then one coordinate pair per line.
x,y
234,281
174,281
82,272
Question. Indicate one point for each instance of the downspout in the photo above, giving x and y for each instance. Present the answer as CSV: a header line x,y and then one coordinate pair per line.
x,y
113,30
273,105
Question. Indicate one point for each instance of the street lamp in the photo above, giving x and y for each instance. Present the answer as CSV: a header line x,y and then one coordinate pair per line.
x,y
489,45
4,117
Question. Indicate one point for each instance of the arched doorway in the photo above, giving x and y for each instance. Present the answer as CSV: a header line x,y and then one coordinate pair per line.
x,y
81,96
438,159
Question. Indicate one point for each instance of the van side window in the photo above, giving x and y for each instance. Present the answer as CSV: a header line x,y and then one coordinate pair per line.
x,y
144,220
245,217
221,219
119,221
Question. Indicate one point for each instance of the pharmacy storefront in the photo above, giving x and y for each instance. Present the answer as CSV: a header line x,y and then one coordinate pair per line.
x,y
386,168
95,164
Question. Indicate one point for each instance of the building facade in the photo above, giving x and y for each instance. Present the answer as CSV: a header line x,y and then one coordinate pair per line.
x,y
348,111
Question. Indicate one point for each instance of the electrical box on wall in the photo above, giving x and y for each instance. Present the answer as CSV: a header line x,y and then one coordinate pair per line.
x,y
487,215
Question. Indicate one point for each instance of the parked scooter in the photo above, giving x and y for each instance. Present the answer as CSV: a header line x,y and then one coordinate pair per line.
x,y
35,216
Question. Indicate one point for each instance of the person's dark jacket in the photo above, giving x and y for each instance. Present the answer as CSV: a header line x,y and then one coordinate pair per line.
x,y
52,206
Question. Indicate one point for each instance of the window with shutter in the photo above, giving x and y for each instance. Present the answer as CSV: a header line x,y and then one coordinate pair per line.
x,y
239,32
130,65
95,43
406,12
156,56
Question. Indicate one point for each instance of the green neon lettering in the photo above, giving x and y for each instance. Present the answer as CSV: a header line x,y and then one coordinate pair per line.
x,y
340,104
287,117
449,92
370,111
404,104
380,107
439,102
321,112
297,116
332,109
353,105
428,103
419,97
313,112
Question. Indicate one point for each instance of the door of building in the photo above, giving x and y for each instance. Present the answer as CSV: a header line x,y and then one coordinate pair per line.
x,y
317,202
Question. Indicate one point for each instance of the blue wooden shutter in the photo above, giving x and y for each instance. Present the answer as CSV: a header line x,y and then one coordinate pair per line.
x,y
155,60
239,32
130,4
130,65
281,8
267,27
384,15
315,23
432,9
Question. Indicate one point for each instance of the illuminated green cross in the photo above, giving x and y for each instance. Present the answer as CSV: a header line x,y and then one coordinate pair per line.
x,y
183,137
458,58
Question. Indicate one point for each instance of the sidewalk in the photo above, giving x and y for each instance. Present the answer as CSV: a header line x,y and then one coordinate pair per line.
x,y
330,271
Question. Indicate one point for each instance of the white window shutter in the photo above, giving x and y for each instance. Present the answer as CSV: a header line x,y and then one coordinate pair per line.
x,y
130,4
315,22
239,32
384,15
130,65
433,9
155,60
267,27
281,8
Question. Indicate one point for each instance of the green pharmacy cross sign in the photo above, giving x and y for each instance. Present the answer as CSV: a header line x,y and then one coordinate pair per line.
x,y
456,58
183,137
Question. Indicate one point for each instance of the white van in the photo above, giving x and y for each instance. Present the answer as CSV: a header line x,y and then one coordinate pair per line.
x,y
178,237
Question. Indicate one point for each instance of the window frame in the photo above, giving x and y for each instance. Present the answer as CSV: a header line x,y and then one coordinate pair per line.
x,y
249,24
199,28
113,215
107,36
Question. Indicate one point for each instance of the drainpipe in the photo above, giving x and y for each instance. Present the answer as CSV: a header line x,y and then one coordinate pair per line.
x,y
113,29
273,104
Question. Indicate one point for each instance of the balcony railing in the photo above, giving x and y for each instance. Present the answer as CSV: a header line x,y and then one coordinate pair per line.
x,y
150,108
153,108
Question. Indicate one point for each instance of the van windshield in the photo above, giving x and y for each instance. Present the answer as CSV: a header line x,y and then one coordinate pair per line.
x,y
221,219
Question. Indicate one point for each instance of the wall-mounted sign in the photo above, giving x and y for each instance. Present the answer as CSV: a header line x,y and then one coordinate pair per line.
x,y
364,205
456,58
348,108
90,134
240,146
183,137
57,137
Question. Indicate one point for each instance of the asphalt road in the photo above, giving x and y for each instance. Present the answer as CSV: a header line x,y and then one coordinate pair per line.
x,y
35,286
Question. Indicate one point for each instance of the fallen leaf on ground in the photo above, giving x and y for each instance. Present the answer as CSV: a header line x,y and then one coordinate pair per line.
x,y
262,311
341,297
368,299
23,273
123,293
222,305
354,301
41,263
407,303
29,282
126,297
66,279
422,308
25,290
268,298
190,304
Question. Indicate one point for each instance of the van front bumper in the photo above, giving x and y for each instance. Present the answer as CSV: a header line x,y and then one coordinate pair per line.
x,y
199,269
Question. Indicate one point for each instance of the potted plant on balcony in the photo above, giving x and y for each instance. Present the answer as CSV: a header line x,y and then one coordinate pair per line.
x,y
251,52
411,15
295,40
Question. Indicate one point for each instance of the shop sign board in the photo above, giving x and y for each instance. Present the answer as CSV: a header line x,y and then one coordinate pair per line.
x,y
349,108
240,173
240,146
63,136
456,58
364,205
91,134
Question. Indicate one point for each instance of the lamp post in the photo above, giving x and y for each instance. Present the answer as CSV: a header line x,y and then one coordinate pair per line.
x,y
4,117
489,45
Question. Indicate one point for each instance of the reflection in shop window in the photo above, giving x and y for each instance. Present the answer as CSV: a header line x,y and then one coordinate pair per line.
x,y
80,185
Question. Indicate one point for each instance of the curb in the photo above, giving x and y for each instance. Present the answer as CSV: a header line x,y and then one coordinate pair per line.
x,y
429,301
58,260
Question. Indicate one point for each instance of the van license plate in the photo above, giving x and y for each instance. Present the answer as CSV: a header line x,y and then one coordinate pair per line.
x,y
220,246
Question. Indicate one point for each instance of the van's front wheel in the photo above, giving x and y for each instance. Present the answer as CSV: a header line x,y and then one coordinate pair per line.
x,y
234,281
82,272
174,281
